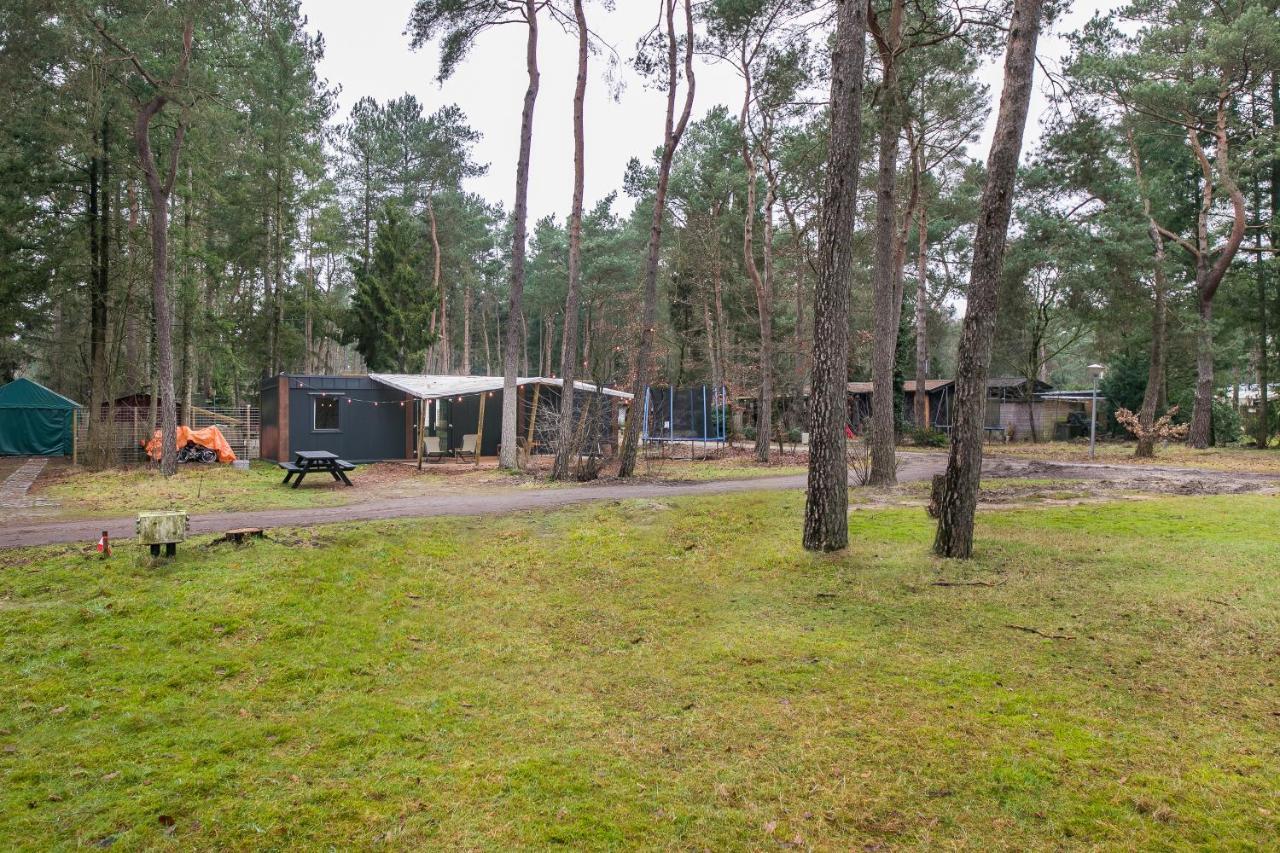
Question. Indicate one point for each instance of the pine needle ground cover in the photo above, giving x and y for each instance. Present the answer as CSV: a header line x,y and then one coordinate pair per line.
x,y
1231,458
675,675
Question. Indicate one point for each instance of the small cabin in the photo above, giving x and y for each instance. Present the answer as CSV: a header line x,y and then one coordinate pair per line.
x,y
376,417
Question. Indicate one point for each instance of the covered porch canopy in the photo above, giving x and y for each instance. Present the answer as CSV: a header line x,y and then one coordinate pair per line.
x,y
431,387
464,401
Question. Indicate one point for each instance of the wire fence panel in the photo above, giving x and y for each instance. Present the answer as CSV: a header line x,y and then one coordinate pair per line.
x,y
124,431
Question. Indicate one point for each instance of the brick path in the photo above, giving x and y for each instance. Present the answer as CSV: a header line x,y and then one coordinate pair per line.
x,y
13,491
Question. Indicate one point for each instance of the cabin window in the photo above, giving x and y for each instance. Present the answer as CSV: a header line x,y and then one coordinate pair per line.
x,y
325,413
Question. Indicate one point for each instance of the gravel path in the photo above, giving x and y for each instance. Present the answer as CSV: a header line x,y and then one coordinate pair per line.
x,y
913,467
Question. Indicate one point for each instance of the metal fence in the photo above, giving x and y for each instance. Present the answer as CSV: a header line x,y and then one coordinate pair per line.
x,y
129,427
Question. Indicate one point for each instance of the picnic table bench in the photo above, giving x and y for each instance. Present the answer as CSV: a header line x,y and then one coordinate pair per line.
x,y
316,461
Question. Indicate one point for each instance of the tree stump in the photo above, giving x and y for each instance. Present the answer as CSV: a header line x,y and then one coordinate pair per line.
x,y
243,534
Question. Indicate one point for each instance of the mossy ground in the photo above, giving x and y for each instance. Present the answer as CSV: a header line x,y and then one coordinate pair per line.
x,y
656,675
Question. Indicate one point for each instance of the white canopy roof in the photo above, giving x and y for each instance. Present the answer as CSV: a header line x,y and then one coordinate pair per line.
x,y
428,387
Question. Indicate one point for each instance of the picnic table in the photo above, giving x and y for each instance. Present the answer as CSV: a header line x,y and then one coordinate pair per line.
x,y
316,461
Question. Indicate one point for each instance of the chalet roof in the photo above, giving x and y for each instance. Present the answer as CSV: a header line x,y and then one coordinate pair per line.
x,y
931,385
1015,382
909,385
431,387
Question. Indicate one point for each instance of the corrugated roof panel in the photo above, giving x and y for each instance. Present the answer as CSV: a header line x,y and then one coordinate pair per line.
x,y
430,387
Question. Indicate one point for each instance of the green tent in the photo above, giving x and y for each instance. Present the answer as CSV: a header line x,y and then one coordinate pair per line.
x,y
35,421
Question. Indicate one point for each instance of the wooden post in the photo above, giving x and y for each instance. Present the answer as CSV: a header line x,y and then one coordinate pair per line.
x,y
422,428
75,443
533,417
480,426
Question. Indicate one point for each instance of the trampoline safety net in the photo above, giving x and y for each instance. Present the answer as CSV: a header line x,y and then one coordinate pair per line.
x,y
696,413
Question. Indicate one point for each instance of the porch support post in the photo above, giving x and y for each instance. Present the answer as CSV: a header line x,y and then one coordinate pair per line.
x,y
480,427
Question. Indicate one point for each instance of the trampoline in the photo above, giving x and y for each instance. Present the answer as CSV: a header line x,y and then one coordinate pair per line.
x,y
694,415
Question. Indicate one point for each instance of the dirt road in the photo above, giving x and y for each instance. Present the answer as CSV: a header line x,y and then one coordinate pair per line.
x,y
913,467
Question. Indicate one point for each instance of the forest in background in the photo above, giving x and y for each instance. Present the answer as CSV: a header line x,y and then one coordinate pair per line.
x,y
303,240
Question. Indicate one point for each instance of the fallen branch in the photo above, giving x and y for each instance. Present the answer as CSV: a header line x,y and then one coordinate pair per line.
x,y
968,583
1040,633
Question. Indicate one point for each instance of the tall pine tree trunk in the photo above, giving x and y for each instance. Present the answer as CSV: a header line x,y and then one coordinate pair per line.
x,y
956,492
565,449
761,285
99,220
884,279
509,456
438,358
826,512
922,319
673,131
1159,320
467,299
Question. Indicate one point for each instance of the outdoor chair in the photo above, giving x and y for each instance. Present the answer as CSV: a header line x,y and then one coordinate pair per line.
x,y
468,448
432,448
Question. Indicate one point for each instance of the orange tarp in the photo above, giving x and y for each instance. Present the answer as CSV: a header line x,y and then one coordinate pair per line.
x,y
210,437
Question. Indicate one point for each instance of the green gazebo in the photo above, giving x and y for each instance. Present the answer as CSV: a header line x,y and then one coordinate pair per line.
x,y
35,421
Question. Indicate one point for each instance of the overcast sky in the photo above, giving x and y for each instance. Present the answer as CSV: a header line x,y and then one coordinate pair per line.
x,y
367,53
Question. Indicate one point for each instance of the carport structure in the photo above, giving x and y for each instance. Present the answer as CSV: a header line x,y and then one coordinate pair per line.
x,y
388,416
451,408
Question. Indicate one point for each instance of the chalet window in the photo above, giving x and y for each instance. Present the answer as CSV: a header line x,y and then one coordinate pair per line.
x,y
325,413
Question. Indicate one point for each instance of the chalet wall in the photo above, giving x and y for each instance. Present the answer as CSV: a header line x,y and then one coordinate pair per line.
x,y
1017,417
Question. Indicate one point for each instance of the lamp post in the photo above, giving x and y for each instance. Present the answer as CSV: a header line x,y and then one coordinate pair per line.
x,y
1095,373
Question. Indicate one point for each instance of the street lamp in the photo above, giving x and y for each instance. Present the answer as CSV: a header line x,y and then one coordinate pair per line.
x,y
1095,373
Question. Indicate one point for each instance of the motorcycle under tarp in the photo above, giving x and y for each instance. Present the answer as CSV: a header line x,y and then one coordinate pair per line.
x,y
210,437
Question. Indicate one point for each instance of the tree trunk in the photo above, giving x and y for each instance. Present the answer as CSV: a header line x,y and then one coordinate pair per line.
x,y
1209,277
713,357
1155,371
308,332
160,190
1151,395
524,345
884,277
826,512
673,131
467,298
565,450
1264,407
510,457
484,328
922,319
440,346
1201,433
959,497
762,285
99,218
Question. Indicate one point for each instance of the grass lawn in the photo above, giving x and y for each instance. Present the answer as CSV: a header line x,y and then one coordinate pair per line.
x,y
195,488
652,675
1235,459
727,468
219,488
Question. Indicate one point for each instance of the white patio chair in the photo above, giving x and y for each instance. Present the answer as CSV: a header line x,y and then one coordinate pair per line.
x,y
432,448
